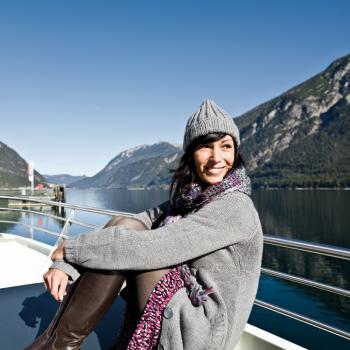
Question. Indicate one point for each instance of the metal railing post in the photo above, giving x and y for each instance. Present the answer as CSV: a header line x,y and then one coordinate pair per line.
x,y
67,224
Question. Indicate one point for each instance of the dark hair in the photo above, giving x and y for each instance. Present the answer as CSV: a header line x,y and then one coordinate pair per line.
x,y
185,174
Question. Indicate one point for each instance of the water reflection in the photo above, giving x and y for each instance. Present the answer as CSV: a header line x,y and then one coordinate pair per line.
x,y
315,216
33,221
133,201
8,216
319,268
60,212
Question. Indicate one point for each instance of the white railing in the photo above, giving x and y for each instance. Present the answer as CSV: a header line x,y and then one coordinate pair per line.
x,y
315,248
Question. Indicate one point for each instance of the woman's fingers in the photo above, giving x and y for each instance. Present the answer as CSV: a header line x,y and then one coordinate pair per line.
x,y
47,280
62,288
54,287
56,282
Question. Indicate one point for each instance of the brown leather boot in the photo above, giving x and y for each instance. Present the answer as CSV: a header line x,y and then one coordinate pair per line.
x,y
44,337
86,304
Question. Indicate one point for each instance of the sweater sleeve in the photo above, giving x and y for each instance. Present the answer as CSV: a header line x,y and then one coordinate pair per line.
x,y
222,222
67,268
148,217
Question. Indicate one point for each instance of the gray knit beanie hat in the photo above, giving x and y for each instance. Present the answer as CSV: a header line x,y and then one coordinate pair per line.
x,y
209,118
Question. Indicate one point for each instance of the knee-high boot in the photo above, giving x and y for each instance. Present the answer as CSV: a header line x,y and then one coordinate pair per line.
x,y
84,306
45,336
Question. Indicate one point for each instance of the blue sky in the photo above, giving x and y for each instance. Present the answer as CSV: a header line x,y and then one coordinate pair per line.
x,y
81,81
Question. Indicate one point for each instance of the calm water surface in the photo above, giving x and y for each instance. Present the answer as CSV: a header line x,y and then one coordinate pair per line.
x,y
316,216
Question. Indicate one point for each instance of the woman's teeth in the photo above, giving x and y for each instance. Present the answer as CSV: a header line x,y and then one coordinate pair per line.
x,y
214,170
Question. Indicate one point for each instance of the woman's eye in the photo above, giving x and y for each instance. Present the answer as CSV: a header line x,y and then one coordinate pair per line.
x,y
227,145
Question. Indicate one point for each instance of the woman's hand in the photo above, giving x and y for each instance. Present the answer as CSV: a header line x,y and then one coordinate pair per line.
x,y
56,282
58,254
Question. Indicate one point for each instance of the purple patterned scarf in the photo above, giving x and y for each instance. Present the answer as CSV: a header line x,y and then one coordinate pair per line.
x,y
196,197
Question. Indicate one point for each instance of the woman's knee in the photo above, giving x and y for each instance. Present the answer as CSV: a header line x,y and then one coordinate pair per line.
x,y
128,222
113,222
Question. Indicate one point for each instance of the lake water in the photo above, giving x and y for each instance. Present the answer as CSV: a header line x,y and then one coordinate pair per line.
x,y
315,216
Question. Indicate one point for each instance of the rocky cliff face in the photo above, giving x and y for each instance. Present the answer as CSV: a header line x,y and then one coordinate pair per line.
x,y
302,137
140,167
13,169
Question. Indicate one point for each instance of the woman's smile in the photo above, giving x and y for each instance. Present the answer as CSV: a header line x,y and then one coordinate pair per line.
x,y
214,170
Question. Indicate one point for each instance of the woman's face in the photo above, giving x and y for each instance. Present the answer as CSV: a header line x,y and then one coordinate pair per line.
x,y
213,160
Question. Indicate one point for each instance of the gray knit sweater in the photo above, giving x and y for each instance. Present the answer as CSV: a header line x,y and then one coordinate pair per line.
x,y
222,243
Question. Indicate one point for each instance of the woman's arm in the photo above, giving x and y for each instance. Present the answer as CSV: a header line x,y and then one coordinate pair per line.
x,y
223,222
147,217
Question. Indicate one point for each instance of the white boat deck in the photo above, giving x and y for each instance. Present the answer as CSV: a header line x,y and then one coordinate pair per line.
x,y
254,338
22,260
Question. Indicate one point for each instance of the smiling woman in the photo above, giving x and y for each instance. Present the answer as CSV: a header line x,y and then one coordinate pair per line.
x,y
192,264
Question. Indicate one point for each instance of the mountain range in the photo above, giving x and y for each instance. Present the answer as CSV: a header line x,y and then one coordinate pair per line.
x,y
13,169
302,138
298,139
143,166
65,179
